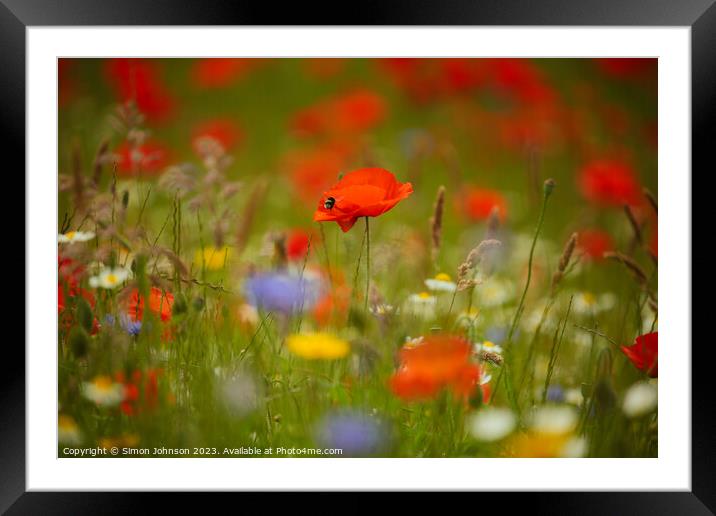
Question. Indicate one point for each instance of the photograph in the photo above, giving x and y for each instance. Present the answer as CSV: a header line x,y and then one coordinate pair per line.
x,y
382,257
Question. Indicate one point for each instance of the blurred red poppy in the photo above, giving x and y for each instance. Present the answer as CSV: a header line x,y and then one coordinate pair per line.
x,y
141,391
70,272
366,192
354,112
439,361
594,243
622,67
478,203
522,80
644,353
297,244
217,72
66,83
139,80
160,303
425,80
149,159
609,182
223,130
323,67
314,170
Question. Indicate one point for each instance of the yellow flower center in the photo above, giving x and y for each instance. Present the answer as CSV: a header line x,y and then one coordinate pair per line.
x,y
589,298
111,278
103,382
424,295
70,234
488,344
443,277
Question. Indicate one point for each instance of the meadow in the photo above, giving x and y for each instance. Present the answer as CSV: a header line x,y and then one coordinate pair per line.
x,y
358,257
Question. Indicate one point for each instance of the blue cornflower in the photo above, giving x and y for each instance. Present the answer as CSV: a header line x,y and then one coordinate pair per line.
x,y
129,325
355,433
282,292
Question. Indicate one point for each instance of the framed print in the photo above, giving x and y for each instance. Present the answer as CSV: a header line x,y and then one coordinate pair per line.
x,y
416,256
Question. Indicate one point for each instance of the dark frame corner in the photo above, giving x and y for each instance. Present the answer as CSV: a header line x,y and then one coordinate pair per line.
x,y
700,15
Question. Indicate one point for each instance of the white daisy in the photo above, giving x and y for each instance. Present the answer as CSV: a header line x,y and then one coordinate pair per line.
x,y
110,277
487,346
103,391
75,236
421,305
586,303
441,283
491,424
495,293
640,400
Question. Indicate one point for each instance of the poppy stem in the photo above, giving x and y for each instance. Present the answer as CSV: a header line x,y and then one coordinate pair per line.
x,y
367,261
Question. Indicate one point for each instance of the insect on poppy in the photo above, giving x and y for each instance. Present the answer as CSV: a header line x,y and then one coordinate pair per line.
x,y
366,192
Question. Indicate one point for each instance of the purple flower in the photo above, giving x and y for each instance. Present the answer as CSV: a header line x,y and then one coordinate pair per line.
x,y
282,292
555,393
130,326
355,433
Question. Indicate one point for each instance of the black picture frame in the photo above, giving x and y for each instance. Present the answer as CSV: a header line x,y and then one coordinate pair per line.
x,y
700,15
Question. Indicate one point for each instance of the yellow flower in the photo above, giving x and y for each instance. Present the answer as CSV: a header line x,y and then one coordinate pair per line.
x,y
213,258
317,346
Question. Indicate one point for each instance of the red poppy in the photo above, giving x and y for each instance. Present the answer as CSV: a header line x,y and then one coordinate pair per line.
x,y
594,243
221,72
644,353
366,192
160,303
609,183
439,361
478,203
139,80
148,159
223,130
